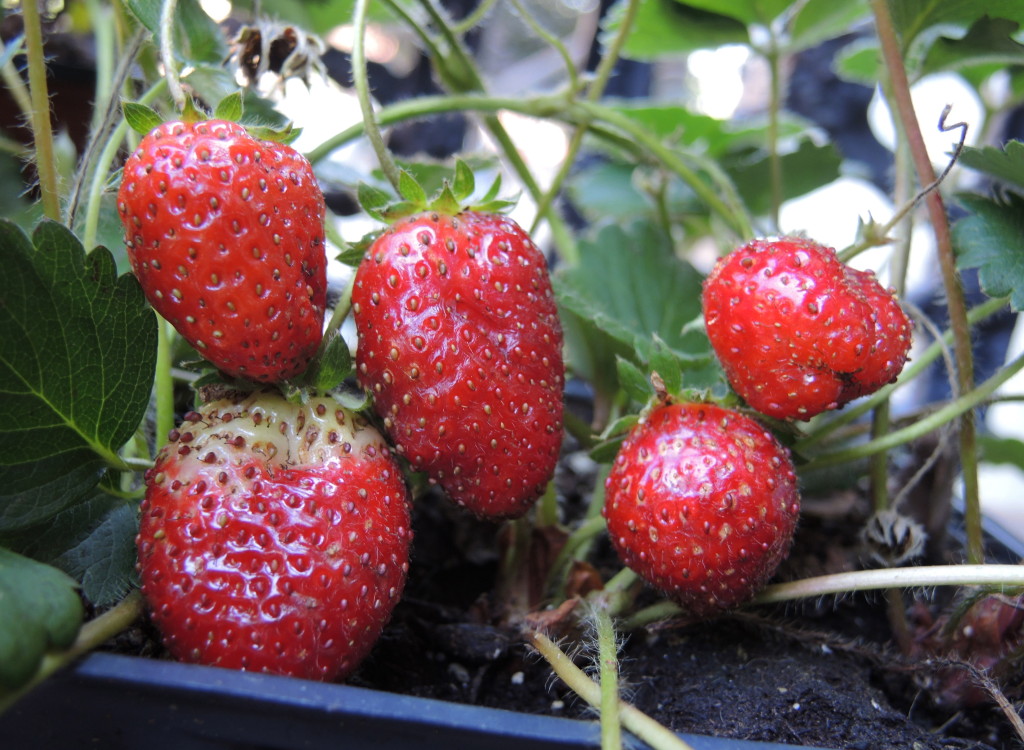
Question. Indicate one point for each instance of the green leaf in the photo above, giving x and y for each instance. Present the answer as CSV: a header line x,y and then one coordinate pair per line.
x,y
104,560
990,239
666,28
913,18
39,610
140,118
197,37
77,348
988,42
230,107
997,450
1004,164
410,189
33,493
859,62
750,12
808,167
616,298
819,20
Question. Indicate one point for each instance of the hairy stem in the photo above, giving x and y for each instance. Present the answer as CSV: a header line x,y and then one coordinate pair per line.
x,y
892,56
1003,577
42,126
608,665
361,82
643,726
171,73
594,92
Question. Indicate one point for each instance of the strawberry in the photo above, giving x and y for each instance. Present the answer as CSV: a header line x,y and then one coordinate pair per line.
x,y
226,236
460,346
798,332
274,537
702,503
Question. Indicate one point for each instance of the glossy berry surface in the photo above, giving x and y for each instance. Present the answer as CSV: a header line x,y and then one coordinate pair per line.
x,y
226,236
460,346
274,537
798,332
702,503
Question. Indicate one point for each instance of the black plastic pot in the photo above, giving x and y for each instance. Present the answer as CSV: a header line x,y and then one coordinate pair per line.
x,y
109,701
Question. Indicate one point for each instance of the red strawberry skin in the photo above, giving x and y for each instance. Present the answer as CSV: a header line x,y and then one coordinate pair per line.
x,y
702,503
226,236
460,345
274,537
798,332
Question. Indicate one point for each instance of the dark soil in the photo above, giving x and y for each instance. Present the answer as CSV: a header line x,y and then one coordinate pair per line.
x,y
820,673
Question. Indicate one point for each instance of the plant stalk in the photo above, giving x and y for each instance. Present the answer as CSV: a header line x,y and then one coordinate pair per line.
x,y
1004,577
360,80
643,726
42,126
893,58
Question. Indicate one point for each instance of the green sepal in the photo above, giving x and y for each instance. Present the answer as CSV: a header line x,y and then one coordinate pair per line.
x,y
410,189
493,190
633,380
464,183
140,118
285,135
229,108
332,364
190,112
372,200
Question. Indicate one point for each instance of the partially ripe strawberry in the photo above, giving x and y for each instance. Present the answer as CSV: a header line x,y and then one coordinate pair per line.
x,y
274,537
702,503
460,346
798,332
225,233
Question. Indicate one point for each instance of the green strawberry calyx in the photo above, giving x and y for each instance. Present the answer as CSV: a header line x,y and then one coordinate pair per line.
x,y
450,200
143,119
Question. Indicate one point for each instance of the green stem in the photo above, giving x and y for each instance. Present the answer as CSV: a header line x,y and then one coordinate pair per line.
x,y
892,56
103,33
594,92
362,86
171,73
163,385
608,665
554,41
643,726
921,362
102,170
1005,577
625,132
459,74
93,634
478,15
774,108
42,127
935,420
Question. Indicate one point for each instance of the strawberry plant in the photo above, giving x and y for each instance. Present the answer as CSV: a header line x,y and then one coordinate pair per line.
x,y
250,356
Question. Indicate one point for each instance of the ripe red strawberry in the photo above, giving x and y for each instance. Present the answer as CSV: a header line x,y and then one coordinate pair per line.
x,y
460,346
274,537
702,503
798,332
225,233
